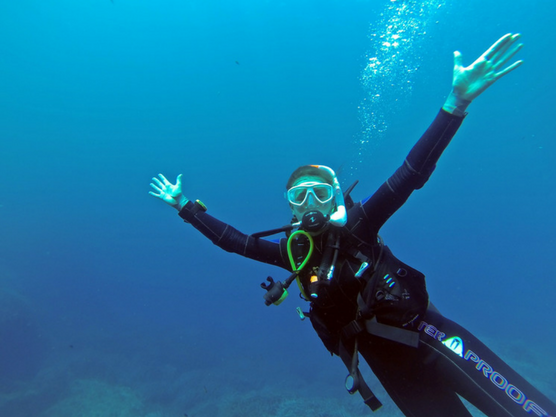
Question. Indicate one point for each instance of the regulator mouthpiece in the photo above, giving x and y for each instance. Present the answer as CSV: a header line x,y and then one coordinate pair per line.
x,y
313,221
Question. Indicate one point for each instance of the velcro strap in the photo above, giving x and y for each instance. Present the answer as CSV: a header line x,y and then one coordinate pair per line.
x,y
364,311
363,258
407,337
351,330
368,396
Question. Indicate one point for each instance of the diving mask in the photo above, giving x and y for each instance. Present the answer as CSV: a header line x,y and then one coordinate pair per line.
x,y
321,192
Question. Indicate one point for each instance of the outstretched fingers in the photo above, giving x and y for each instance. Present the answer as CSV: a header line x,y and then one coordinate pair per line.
x,y
503,57
160,186
157,189
509,69
469,82
498,46
164,180
508,51
158,182
503,50
502,60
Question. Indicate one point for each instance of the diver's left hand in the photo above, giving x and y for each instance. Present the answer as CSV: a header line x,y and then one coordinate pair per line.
x,y
170,193
469,82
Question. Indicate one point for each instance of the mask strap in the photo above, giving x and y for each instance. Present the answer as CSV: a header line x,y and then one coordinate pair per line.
x,y
339,217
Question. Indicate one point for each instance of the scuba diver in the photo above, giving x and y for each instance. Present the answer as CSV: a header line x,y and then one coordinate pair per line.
x,y
363,300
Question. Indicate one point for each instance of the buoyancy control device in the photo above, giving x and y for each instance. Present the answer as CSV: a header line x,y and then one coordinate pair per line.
x,y
393,297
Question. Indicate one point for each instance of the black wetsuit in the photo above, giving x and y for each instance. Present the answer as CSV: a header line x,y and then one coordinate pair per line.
x,y
423,380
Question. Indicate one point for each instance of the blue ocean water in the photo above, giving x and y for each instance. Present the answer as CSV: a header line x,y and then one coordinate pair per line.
x,y
110,305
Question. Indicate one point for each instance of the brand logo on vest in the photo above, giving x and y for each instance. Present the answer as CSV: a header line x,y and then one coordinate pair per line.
x,y
455,344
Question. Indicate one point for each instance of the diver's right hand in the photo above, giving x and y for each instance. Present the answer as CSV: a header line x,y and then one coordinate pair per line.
x,y
469,82
169,193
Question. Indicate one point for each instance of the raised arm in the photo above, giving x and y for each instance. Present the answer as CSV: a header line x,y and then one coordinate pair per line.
x,y
467,84
220,233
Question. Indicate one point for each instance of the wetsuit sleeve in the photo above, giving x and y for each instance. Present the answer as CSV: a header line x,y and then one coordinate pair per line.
x,y
232,240
414,172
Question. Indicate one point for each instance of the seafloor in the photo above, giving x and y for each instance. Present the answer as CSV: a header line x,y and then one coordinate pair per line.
x,y
99,382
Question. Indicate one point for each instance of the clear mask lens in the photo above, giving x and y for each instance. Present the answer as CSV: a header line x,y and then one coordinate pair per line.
x,y
322,192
